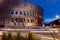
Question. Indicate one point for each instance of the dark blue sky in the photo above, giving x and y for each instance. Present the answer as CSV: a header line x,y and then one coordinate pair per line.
x,y
51,8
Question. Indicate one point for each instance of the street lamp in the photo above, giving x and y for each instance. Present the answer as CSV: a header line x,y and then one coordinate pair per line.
x,y
57,16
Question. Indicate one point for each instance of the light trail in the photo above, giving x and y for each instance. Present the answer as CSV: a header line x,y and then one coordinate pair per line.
x,y
45,37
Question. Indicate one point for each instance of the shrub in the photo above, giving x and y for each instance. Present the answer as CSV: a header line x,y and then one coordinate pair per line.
x,y
13,37
30,36
4,36
9,37
18,37
25,38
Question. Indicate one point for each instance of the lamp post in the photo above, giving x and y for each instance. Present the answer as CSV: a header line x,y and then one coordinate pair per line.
x,y
57,17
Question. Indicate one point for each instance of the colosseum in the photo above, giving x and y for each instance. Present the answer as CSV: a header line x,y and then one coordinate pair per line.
x,y
25,15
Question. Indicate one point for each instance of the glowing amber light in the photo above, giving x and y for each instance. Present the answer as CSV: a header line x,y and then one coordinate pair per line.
x,y
35,21
40,16
1,1
36,14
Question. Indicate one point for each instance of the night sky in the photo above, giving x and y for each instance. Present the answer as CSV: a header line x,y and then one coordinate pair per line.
x,y
51,8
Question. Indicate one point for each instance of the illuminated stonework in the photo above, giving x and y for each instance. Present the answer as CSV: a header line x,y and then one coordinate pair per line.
x,y
1,1
25,15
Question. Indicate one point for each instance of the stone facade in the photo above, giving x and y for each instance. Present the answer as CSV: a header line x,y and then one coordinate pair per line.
x,y
23,16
